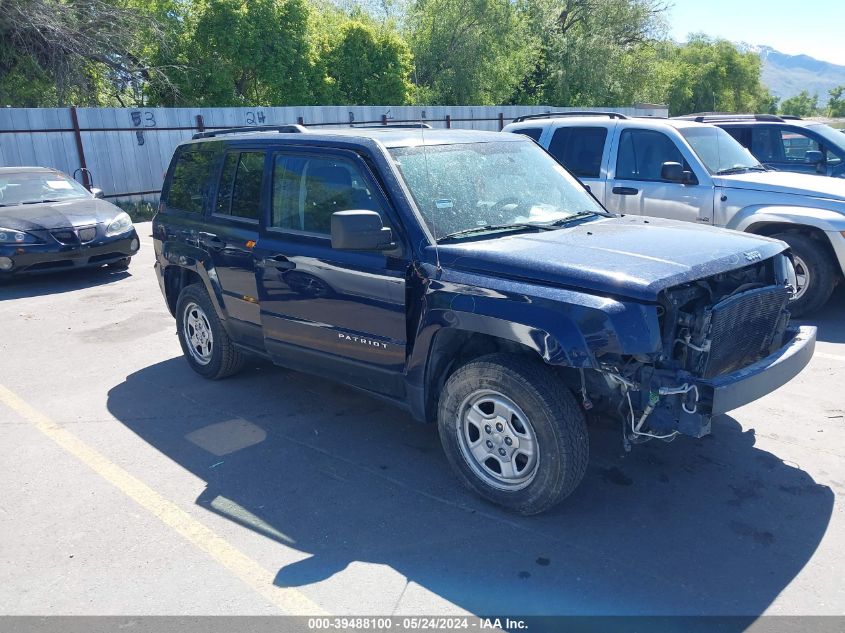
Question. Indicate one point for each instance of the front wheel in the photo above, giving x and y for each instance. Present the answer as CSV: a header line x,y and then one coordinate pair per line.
x,y
204,340
814,271
513,433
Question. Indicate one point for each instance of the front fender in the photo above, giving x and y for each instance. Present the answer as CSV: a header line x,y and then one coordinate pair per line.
x,y
563,326
751,216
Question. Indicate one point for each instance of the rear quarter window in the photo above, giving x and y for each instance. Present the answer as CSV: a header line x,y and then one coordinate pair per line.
x,y
189,181
530,132
579,149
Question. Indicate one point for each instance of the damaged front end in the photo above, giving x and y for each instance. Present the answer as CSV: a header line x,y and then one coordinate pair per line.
x,y
726,340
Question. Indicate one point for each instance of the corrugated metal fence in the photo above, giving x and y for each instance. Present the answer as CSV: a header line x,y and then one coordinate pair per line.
x,y
126,151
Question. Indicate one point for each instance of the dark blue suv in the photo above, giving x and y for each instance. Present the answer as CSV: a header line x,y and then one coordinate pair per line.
x,y
471,280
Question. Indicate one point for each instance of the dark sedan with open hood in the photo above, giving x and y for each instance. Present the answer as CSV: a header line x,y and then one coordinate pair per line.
x,y
49,222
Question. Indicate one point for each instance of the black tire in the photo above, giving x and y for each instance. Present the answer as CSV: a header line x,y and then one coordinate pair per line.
x,y
224,358
822,273
554,416
121,264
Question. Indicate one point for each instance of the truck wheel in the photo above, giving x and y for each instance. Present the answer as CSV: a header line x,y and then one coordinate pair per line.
x,y
513,433
204,341
815,272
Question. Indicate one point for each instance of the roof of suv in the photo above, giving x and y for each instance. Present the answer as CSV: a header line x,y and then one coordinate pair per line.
x,y
602,120
388,136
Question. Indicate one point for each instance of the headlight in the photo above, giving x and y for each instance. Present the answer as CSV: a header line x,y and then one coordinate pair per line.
x,y
11,236
120,224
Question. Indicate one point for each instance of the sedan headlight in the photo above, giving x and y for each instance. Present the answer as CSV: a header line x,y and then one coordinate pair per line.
x,y
12,236
120,224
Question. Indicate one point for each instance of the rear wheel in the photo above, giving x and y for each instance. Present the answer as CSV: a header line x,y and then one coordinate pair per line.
x,y
814,270
513,433
204,340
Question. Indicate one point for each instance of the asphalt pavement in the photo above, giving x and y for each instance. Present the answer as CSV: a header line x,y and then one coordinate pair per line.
x,y
130,485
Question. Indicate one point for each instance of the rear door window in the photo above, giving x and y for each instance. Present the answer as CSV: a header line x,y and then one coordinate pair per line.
x,y
579,149
239,191
189,184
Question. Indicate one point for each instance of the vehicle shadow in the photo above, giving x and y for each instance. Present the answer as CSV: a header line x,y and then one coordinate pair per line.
x,y
59,282
830,319
714,526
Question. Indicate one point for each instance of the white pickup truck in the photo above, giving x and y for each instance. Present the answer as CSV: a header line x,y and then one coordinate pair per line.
x,y
696,172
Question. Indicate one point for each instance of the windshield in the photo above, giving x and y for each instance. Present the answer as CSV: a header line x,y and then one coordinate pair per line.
x,y
719,151
29,187
466,186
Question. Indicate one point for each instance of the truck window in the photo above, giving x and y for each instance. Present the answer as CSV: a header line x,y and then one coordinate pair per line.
x,y
642,154
189,183
796,144
239,192
579,149
307,190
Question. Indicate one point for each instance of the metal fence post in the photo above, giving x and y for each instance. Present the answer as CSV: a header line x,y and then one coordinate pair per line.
x,y
80,150
501,121
200,123
448,121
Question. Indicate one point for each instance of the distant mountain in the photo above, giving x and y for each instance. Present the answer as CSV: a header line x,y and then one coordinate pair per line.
x,y
787,75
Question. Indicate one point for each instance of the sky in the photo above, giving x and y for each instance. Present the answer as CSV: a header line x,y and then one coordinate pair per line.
x,y
817,31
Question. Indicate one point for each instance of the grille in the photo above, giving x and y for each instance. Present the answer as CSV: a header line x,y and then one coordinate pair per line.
x,y
87,234
742,328
66,236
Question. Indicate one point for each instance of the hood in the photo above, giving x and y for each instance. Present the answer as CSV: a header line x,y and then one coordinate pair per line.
x,y
57,215
627,256
786,182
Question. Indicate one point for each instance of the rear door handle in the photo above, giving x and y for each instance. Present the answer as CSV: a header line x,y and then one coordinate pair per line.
x,y
211,241
625,191
279,262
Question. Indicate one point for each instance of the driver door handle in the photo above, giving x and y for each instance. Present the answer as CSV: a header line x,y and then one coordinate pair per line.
x,y
625,191
279,262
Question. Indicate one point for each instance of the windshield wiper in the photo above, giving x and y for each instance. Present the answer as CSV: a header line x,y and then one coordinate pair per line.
x,y
38,201
739,170
577,216
494,227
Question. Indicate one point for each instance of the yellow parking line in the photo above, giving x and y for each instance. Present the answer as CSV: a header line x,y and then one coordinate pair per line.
x,y
830,356
290,601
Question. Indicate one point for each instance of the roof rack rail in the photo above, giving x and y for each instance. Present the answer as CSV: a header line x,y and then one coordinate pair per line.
x,y
556,115
709,117
282,129
375,126
790,117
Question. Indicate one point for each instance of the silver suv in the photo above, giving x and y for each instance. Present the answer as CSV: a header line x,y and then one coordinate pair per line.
x,y
785,143
692,171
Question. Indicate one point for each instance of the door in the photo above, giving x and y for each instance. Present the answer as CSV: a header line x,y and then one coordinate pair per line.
x,y
230,234
637,186
337,313
580,150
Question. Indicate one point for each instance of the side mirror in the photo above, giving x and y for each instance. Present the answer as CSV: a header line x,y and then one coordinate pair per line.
x,y
813,157
671,171
97,193
360,231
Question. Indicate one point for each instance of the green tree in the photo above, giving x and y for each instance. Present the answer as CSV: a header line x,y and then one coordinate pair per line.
x,y
366,65
589,50
239,52
801,104
836,103
85,52
469,51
